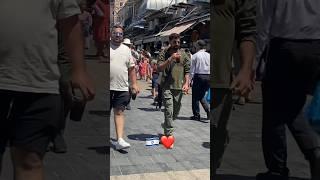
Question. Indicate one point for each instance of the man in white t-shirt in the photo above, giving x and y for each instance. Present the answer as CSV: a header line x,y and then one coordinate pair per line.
x,y
121,64
30,101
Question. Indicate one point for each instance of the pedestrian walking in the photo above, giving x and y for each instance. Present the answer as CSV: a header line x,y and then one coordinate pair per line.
x,y
155,75
227,16
30,107
128,43
122,68
174,64
100,26
291,31
200,74
86,21
143,67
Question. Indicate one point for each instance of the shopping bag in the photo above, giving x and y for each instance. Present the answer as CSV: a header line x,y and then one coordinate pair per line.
x,y
313,110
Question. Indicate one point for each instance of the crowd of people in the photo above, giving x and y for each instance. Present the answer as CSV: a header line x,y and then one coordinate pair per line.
x,y
95,21
171,74
33,84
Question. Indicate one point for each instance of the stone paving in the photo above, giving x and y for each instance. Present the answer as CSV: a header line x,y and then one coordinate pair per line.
x,y
198,174
191,150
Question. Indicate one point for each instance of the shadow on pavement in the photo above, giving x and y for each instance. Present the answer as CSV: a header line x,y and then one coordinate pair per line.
x,y
142,137
238,177
203,120
100,149
149,109
206,145
145,97
99,113
254,102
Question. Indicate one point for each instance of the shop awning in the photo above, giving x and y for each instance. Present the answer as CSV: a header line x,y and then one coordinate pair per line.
x,y
178,29
150,39
138,42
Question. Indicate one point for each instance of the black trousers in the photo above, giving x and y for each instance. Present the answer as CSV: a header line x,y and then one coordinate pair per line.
x,y
199,88
292,70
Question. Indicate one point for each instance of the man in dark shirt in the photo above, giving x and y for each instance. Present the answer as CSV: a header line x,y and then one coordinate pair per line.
x,y
174,64
231,19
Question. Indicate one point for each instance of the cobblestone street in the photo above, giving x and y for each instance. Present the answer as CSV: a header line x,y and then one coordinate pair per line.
x,y
191,150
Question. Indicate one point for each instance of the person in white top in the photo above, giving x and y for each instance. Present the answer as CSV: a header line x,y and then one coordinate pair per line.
x,y
200,74
288,35
122,67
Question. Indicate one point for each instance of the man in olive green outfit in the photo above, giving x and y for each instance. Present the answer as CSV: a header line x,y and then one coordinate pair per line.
x,y
232,20
174,64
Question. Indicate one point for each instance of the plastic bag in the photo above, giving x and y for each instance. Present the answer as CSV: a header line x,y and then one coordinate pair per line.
x,y
313,110
208,95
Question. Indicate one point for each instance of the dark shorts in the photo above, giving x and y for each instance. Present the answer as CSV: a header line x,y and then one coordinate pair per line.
x,y
119,99
28,120
154,80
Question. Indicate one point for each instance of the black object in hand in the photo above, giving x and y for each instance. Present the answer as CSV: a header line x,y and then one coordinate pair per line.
x,y
78,105
133,94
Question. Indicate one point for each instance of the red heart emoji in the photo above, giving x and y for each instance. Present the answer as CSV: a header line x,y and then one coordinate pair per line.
x,y
167,141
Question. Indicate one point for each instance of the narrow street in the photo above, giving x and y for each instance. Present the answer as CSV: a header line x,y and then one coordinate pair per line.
x,y
189,159
191,152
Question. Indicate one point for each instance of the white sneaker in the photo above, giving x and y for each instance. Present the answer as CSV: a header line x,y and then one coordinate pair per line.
x,y
121,144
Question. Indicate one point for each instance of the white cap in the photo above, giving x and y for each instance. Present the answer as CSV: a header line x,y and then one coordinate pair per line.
x,y
127,41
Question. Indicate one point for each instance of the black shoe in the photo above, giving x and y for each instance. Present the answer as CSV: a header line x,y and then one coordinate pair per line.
x,y
59,145
197,118
272,176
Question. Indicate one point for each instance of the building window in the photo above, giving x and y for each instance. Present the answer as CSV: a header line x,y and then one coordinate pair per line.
x,y
121,4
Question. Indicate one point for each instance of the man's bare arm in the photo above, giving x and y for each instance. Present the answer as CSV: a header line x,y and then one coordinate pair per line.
x,y
73,41
187,78
132,75
243,84
165,64
247,55
74,46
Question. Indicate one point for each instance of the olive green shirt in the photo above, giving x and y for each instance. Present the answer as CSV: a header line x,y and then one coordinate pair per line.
x,y
174,75
231,20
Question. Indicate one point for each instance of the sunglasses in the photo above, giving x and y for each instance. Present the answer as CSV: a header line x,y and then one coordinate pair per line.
x,y
117,33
